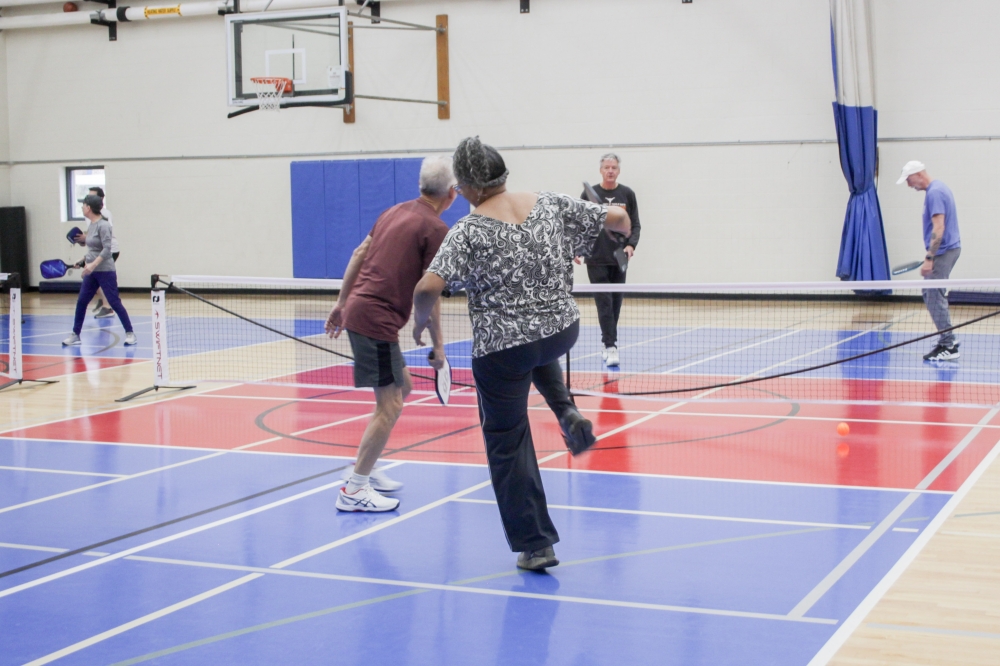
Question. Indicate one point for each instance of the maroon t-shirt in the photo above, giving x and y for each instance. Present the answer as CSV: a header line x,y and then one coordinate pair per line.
x,y
404,241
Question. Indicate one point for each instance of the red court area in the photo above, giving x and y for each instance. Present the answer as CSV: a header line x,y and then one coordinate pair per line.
x,y
889,446
44,366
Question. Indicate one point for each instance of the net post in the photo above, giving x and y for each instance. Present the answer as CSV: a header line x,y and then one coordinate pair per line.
x,y
161,355
15,351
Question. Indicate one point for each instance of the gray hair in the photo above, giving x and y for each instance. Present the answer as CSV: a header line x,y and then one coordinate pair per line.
x,y
479,165
609,156
436,176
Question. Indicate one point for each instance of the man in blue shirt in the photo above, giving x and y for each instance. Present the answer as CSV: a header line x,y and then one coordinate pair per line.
x,y
944,245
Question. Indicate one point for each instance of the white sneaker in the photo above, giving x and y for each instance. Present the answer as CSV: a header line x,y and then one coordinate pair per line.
x,y
130,339
365,498
604,354
612,360
73,339
379,480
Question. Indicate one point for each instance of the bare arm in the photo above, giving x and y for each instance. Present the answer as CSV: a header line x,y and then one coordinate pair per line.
x,y
937,235
618,221
335,322
427,314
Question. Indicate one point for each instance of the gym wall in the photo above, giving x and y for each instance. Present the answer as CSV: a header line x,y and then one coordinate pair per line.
x,y
720,109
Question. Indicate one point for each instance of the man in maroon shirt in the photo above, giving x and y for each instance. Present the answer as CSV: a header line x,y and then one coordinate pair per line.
x,y
375,301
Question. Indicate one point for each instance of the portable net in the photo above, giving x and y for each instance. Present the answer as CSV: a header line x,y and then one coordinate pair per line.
x,y
816,342
270,89
10,329
271,331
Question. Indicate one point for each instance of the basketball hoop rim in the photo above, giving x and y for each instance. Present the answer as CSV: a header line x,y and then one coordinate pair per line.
x,y
285,87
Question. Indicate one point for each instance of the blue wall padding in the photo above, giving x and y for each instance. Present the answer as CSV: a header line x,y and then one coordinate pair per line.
x,y
407,184
336,202
458,210
308,220
378,191
341,215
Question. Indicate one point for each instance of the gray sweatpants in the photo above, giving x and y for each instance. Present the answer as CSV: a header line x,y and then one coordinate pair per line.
x,y
936,300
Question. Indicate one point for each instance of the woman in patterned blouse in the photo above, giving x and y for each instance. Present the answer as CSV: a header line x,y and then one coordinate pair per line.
x,y
513,256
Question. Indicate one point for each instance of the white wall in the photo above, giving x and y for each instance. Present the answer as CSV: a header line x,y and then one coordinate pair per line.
x,y
4,127
552,89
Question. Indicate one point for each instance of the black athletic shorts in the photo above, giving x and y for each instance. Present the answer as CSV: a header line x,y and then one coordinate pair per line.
x,y
376,362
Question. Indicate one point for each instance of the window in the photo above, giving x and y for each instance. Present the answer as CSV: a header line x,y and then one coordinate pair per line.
x,y
78,181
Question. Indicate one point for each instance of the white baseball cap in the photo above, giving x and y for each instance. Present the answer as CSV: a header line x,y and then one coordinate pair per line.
x,y
910,168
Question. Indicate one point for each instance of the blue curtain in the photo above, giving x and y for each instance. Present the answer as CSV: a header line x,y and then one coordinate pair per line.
x,y
863,254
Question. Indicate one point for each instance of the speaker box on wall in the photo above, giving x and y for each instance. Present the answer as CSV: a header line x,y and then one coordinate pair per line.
x,y
14,242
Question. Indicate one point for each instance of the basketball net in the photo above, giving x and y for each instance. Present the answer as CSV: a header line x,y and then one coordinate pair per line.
x,y
269,91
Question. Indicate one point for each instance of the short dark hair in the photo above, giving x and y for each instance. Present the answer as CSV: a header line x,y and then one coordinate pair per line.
x,y
97,190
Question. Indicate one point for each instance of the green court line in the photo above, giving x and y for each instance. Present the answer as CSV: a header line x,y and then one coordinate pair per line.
x,y
467,581
973,515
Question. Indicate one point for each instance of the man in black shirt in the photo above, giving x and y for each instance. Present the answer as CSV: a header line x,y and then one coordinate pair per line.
x,y
602,264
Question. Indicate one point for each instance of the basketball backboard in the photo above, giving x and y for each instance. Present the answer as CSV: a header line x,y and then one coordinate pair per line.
x,y
307,46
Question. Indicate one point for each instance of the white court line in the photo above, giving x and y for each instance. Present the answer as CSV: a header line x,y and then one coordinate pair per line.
x,y
849,625
487,591
983,535
845,565
67,493
798,484
694,516
601,410
732,351
167,539
58,471
905,529
859,613
219,452
567,470
122,628
49,549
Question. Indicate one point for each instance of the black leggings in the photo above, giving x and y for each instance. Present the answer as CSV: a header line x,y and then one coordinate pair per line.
x,y
609,305
503,381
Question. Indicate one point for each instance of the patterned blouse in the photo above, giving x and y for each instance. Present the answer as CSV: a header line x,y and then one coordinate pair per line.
x,y
519,276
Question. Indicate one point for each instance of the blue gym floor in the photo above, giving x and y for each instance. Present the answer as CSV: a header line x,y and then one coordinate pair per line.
x,y
252,572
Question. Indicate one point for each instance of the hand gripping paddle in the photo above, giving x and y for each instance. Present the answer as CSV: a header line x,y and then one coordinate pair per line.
x,y
55,268
442,380
906,268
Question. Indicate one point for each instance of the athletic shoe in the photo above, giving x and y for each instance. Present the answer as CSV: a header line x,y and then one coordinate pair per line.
x,y
73,339
578,432
104,313
942,353
612,359
130,338
99,306
379,480
365,498
604,353
537,560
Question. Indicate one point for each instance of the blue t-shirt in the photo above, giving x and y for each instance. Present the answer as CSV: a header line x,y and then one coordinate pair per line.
x,y
937,201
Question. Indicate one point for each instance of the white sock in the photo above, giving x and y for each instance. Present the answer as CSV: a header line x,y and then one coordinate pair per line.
x,y
356,483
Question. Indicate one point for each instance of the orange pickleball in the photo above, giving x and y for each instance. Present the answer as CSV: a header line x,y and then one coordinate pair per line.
x,y
843,429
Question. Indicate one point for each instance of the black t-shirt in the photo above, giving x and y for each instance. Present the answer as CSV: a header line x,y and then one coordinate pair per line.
x,y
603,253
